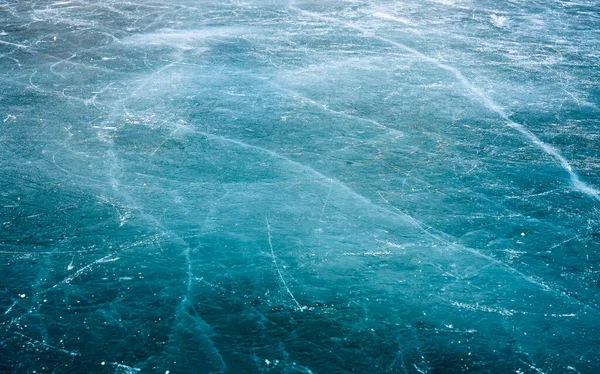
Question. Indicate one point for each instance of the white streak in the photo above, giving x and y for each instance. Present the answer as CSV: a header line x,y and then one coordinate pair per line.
x,y
290,161
399,214
67,280
392,18
14,44
125,368
577,183
277,266
35,342
11,307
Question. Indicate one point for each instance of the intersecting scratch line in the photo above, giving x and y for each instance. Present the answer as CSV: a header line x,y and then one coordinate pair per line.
x,y
576,182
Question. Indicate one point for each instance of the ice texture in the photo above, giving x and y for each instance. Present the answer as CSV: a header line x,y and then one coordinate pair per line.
x,y
299,186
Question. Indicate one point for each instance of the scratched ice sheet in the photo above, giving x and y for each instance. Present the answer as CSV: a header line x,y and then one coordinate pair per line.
x,y
299,187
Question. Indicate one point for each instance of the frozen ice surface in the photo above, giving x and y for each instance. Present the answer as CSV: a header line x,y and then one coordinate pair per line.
x,y
299,187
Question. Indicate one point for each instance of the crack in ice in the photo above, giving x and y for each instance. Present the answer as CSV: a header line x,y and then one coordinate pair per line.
x,y
487,102
406,217
277,266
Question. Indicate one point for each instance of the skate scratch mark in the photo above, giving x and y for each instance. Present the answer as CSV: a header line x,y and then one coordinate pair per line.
x,y
400,214
35,342
487,102
277,266
11,307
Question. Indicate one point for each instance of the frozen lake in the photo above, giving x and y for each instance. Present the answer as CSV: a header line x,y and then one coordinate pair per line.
x,y
300,187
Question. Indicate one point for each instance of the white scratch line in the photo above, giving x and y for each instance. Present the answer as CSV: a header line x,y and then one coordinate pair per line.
x,y
395,212
34,342
577,183
127,369
533,367
11,307
277,266
14,44
164,141
67,280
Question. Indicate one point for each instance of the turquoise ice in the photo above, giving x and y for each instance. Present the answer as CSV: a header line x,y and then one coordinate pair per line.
x,y
299,187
